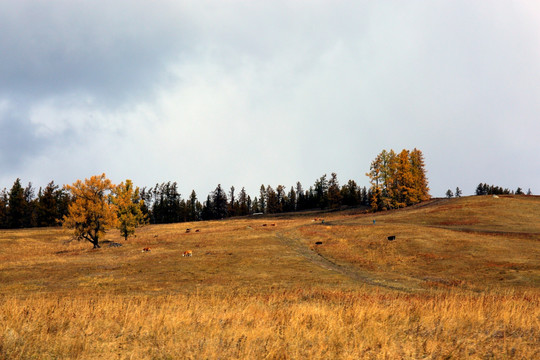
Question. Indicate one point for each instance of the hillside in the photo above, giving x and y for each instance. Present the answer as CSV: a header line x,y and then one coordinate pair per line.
x,y
457,268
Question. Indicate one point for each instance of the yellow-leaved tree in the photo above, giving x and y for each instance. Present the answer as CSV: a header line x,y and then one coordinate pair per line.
x,y
129,208
91,211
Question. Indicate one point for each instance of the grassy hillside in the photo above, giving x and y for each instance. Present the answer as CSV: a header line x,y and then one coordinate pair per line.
x,y
461,280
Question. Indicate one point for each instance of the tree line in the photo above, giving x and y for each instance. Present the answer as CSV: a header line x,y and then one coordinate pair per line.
x,y
485,189
164,203
397,180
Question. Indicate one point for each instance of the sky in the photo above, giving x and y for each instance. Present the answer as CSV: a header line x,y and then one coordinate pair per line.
x,y
244,93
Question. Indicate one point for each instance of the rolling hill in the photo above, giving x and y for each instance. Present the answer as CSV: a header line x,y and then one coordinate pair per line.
x,y
461,279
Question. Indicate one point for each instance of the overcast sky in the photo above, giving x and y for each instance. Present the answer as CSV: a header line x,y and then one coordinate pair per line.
x,y
246,93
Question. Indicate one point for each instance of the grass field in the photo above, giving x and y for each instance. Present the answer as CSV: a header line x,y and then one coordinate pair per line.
x,y
460,281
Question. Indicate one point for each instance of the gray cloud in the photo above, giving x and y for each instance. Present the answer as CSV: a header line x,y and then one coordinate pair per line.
x,y
240,93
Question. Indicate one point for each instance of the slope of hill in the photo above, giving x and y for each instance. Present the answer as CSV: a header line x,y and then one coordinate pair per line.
x,y
460,280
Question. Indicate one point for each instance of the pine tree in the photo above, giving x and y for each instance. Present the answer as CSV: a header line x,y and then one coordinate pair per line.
x,y
243,202
321,192
449,193
334,193
193,211
51,205
262,196
219,200
272,204
291,205
4,200
458,192
16,206
281,198
300,197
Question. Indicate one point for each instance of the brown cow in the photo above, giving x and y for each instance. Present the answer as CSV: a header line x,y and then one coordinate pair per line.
x,y
188,253
146,249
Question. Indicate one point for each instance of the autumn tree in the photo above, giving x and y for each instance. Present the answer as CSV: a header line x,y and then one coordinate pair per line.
x,y
128,208
91,212
398,180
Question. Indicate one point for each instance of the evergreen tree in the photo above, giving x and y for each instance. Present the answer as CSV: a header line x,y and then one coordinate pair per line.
x,y
334,193
291,204
193,207
255,205
321,192
449,193
350,193
458,192
243,208
16,206
51,206
262,202
208,209
219,200
365,196
300,197
272,204
249,205
281,198
231,208
4,200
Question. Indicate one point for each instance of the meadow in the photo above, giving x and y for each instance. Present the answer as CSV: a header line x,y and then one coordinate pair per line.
x,y
461,280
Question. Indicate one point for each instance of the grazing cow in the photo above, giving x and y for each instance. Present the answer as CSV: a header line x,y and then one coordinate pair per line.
x,y
318,243
188,230
197,230
188,253
390,238
264,225
146,249
273,224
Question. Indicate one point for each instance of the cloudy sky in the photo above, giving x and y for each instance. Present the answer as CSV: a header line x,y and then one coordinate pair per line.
x,y
250,92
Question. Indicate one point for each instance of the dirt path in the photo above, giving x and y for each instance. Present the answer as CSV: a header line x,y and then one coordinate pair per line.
x,y
297,246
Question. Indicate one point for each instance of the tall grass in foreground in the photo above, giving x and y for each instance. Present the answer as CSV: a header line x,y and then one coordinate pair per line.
x,y
303,324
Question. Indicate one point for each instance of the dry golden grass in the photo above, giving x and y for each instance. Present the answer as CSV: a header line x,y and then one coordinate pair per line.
x,y
461,281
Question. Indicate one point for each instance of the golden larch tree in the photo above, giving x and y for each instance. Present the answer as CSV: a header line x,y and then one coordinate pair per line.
x,y
129,205
91,211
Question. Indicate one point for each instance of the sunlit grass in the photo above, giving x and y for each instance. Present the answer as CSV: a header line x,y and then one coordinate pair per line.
x,y
447,287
